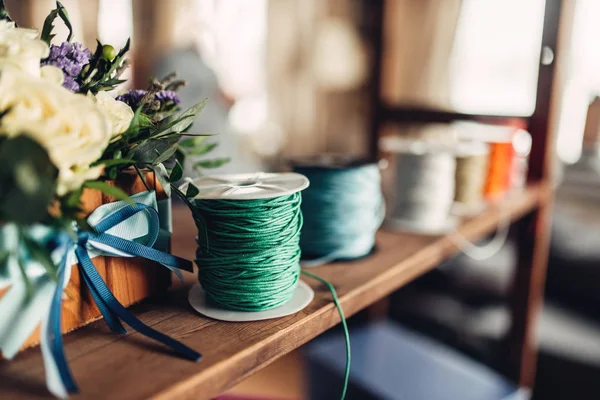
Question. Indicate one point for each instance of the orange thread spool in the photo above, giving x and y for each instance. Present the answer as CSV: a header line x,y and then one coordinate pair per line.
x,y
502,156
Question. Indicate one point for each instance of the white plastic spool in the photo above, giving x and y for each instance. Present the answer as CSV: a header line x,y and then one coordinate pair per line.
x,y
259,185
437,226
443,222
242,187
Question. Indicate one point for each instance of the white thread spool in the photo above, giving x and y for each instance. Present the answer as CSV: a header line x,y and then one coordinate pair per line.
x,y
424,186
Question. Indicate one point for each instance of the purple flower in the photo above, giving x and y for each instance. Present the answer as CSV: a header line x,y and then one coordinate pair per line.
x,y
70,58
167,96
60,51
167,99
80,55
70,84
72,68
133,97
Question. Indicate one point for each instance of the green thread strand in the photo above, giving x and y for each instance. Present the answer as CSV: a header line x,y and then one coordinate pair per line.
x,y
336,301
248,251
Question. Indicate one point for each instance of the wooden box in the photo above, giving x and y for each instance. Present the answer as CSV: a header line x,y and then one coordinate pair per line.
x,y
130,279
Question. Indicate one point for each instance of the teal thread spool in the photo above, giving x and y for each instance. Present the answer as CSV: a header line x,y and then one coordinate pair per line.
x,y
248,252
247,209
249,260
343,208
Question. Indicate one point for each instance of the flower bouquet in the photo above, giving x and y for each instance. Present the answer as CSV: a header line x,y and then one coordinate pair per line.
x,y
83,176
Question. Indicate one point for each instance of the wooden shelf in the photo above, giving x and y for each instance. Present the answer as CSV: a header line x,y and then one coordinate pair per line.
x,y
132,367
399,114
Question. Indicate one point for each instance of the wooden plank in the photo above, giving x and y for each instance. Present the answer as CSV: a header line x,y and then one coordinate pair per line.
x,y
131,367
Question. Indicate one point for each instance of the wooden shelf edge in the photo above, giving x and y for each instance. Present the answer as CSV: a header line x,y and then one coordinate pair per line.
x,y
353,301
235,351
402,114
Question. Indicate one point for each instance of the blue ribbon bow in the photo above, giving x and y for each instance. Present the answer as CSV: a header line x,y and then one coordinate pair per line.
x,y
99,241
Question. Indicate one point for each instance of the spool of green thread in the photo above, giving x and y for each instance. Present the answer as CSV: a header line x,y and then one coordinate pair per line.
x,y
248,260
248,244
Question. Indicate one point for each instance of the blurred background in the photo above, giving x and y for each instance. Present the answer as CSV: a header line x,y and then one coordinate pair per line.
x,y
289,78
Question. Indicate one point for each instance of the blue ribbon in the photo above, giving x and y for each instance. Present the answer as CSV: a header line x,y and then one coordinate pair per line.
x,y
53,331
112,311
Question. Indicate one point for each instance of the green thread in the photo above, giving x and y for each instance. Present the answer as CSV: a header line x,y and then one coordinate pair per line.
x,y
248,255
249,252
336,301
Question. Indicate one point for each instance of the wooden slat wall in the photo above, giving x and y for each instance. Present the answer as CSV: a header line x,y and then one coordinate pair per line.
x,y
418,41
314,119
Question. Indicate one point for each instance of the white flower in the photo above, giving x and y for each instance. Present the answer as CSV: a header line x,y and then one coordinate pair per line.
x,y
52,74
118,113
69,126
21,48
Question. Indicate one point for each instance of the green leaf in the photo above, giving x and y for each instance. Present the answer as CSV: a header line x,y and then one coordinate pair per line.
x,y
28,285
192,191
115,161
47,35
165,155
125,48
217,162
112,174
148,151
109,84
193,135
183,197
94,61
3,12
109,190
182,121
176,173
202,149
192,142
142,176
64,15
4,255
59,11
103,74
145,121
41,255
163,177
180,156
70,205
27,180
135,124
73,200
165,126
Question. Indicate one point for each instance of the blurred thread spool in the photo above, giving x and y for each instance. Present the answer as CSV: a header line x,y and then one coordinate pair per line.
x,y
471,173
509,147
343,207
425,184
425,190
502,156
